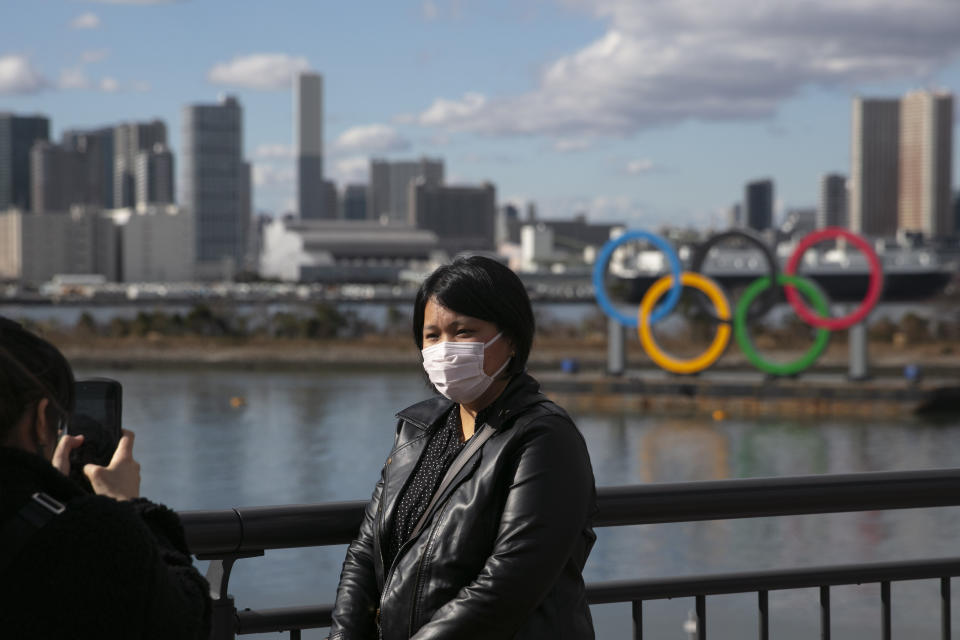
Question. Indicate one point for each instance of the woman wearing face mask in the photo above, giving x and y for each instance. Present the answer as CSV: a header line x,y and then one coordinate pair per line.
x,y
480,524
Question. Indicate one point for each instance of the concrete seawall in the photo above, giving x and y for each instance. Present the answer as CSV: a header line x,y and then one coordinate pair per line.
x,y
750,394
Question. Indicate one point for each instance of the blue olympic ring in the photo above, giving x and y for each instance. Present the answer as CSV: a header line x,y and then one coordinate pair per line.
x,y
600,267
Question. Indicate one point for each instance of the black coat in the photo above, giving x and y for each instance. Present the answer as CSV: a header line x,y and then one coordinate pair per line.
x,y
102,569
501,553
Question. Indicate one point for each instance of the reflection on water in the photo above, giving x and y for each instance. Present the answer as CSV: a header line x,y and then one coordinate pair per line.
x,y
319,436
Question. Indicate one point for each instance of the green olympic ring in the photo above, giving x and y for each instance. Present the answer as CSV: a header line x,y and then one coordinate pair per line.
x,y
810,290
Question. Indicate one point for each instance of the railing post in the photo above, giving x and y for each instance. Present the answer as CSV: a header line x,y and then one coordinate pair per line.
x,y
945,607
885,620
701,617
223,614
637,606
825,612
763,604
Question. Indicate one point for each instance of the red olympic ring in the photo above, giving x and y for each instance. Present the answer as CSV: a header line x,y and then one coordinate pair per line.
x,y
874,288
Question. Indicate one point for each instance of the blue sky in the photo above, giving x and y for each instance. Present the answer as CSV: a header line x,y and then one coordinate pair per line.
x,y
642,111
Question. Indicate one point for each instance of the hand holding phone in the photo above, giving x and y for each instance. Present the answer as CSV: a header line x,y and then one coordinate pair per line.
x,y
121,478
97,419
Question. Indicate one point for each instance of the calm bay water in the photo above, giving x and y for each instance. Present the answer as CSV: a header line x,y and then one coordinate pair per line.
x,y
322,436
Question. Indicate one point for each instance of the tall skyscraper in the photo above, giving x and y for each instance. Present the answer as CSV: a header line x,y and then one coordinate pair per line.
x,y
215,185
308,104
832,208
153,176
355,202
390,186
926,151
874,172
98,146
758,204
129,139
17,136
58,178
463,217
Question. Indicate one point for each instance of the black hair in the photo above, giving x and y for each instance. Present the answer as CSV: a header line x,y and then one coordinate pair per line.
x,y
31,369
481,288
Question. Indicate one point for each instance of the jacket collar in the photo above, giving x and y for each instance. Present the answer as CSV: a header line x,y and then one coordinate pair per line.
x,y
521,392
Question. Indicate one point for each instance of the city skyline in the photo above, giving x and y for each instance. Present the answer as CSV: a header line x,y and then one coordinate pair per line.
x,y
644,114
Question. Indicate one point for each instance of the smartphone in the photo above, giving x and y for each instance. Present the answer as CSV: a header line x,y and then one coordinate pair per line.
x,y
97,418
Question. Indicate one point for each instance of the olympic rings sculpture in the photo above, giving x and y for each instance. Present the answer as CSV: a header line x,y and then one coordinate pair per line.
x,y
796,288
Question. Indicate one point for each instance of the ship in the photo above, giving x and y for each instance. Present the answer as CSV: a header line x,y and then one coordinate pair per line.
x,y
842,272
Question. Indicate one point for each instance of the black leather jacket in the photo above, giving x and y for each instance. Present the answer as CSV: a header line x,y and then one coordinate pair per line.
x,y
502,550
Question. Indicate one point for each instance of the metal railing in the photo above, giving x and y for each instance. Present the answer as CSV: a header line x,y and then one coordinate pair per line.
x,y
225,536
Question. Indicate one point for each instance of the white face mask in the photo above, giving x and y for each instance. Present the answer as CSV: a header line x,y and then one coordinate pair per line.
x,y
456,369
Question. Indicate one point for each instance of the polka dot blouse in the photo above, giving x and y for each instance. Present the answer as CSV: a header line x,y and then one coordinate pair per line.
x,y
444,446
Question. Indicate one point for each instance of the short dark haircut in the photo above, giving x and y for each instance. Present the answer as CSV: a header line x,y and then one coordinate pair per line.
x,y
31,369
482,288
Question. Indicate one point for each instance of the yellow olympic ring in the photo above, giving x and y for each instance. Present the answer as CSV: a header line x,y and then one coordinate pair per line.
x,y
720,340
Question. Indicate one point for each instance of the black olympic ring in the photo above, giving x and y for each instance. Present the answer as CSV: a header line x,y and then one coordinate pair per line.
x,y
772,294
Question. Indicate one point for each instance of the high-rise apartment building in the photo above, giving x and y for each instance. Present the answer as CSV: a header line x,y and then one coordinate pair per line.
x,y
58,178
758,204
463,217
215,185
308,119
832,207
153,176
129,139
17,136
355,202
389,192
875,165
926,151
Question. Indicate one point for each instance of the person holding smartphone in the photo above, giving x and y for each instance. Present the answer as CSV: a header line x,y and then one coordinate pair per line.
x,y
73,564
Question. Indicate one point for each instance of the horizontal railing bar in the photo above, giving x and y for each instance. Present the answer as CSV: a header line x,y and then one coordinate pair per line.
x,y
771,580
280,527
314,617
283,619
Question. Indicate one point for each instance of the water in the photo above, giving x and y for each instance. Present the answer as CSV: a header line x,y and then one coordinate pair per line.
x,y
322,436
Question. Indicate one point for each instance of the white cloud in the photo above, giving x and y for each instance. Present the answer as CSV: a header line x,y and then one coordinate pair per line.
x,y
86,20
265,175
109,84
274,151
665,61
353,169
453,112
265,71
73,78
19,76
94,55
371,138
636,167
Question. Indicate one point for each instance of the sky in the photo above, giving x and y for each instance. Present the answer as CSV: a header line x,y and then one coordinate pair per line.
x,y
645,112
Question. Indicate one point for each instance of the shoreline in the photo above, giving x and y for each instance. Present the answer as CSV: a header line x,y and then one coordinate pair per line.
x,y
399,353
